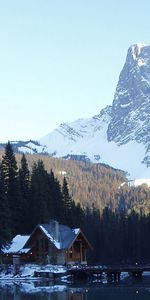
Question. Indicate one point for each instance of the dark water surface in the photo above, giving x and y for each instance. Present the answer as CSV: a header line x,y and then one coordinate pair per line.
x,y
125,290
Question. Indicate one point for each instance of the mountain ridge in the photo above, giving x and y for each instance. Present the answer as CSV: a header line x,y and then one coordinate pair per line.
x,y
120,134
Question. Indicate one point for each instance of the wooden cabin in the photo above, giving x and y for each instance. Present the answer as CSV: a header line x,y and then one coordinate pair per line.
x,y
56,244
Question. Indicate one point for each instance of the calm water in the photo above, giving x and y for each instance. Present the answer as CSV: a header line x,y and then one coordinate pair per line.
x,y
126,290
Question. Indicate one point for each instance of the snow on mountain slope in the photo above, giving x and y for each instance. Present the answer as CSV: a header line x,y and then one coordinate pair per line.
x,y
120,134
88,137
31,147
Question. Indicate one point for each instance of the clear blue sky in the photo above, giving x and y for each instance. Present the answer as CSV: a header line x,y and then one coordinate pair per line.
x,y
60,59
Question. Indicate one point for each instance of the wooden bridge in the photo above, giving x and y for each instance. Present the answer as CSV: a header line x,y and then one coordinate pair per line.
x,y
112,272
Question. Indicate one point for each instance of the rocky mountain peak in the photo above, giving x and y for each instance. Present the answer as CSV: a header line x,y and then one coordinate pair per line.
x,y
131,104
135,50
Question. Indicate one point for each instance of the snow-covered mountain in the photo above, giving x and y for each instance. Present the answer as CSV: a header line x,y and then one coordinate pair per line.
x,y
120,134
28,147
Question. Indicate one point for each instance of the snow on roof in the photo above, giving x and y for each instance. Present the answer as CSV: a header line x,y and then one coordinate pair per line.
x,y
56,243
76,230
17,244
24,250
65,235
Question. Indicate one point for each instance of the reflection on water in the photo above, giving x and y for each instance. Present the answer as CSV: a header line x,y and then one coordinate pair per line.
x,y
127,290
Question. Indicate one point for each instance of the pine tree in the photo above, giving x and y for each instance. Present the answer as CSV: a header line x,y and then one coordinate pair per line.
x,y
41,209
11,188
5,232
77,215
24,185
57,205
68,204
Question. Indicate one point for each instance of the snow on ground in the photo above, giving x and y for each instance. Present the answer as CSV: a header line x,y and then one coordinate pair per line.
x,y
30,269
27,271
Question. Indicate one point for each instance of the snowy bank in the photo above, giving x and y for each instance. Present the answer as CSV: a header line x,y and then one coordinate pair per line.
x,y
28,271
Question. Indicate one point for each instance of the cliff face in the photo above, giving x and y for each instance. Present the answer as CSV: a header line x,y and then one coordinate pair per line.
x,y
131,106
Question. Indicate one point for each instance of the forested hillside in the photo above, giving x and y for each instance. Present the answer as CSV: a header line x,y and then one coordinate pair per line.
x,y
97,184
33,195
94,184
88,183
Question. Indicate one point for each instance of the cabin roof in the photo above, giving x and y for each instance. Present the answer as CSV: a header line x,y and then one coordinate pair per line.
x,y
17,244
63,238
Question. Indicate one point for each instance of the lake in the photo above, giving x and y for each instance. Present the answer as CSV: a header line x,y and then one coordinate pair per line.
x,y
128,289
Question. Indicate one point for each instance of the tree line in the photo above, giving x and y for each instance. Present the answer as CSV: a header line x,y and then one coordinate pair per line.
x,y
118,237
28,198
31,197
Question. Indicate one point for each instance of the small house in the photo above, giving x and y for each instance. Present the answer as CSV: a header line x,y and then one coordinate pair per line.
x,y
56,244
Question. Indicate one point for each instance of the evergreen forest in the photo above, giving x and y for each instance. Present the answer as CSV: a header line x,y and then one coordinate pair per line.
x,y
118,227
